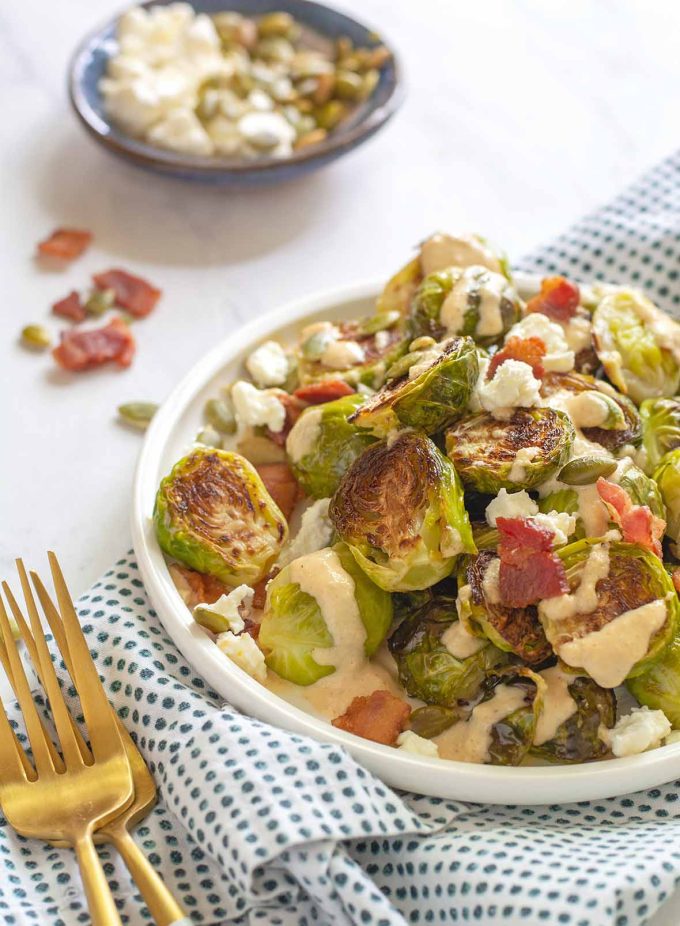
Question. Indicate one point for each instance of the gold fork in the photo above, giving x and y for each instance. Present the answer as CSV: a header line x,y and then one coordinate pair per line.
x,y
60,797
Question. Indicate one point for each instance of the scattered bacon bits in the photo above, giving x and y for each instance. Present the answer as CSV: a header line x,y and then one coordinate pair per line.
x,y
637,522
325,391
529,350
196,587
380,717
260,589
529,570
294,408
70,307
84,350
558,299
65,243
133,293
281,484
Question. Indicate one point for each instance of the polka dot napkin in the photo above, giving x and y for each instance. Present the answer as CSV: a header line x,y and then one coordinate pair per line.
x,y
256,825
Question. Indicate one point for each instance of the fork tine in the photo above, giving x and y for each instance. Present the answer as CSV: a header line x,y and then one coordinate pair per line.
x,y
98,714
42,756
14,764
28,768
60,713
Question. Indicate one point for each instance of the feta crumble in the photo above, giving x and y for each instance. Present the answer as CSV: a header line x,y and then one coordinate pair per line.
x,y
257,407
268,364
636,732
315,533
245,652
339,355
417,745
229,607
510,505
559,358
513,385
560,523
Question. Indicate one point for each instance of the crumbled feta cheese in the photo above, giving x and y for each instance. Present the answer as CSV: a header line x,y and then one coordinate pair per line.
x,y
268,364
266,131
339,355
257,407
558,358
451,543
510,505
229,607
636,732
181,130
560,523
382,340
578,333
245,652
315,533
588,409
304,434
513,385
417,745
133,103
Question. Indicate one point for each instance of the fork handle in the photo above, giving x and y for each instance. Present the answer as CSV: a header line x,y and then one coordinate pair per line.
x,y
103,910
162,905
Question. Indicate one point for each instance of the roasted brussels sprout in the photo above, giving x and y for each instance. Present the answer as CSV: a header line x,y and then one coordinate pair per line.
x,y
567,501
642,489
475,302
576,739
513,630
658,687
213,513
620,614
427,668
667,481
660,429
428,395
315,604
400,509
638,345
485,450
323,444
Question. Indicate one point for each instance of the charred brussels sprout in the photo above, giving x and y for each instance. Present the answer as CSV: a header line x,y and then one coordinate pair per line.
x,y
642,489
658,687
314,605
484,450
667,479
577,739
475,302
513,630
213,513
610,581
322,445
399,289
637,344
427,668
660,429
400,509
428,395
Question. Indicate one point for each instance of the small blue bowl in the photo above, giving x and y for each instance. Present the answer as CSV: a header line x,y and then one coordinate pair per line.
x,y
89,65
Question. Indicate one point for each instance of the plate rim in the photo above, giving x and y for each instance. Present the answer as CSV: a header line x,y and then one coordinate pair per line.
x,y
446,779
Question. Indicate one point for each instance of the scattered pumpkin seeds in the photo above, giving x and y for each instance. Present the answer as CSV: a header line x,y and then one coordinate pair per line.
x,y
37,337
100,301
584,471
137,414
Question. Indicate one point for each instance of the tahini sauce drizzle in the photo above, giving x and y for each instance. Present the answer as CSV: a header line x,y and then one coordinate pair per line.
x,y
469,740
558,704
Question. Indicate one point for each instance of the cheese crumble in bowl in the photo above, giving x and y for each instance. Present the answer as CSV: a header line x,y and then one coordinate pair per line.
x,y
233,92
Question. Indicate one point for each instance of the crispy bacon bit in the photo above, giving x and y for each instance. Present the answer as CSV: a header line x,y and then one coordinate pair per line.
x,y
70,307
281,484
294,408
325,391
529,571
84,350
380,717
260,589
65,243
196,587
529,350
558,299
637,522
133,293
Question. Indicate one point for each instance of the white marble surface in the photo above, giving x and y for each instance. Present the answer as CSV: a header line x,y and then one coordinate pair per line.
x,y
519,117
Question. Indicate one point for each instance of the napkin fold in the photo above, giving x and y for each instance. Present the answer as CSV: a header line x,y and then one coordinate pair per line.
x,y
259,826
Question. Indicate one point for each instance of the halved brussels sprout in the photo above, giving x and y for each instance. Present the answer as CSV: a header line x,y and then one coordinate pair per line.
x,y
578,738
638,345
642,489
484,449
429,395
298,624
658,687
563,500
399,289
322,445
621,425
427,669
667,481
475,302
400,509
618,579
213,513
513,630
660,429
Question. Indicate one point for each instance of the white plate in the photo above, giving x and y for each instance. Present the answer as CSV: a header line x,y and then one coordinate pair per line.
x,y
168,438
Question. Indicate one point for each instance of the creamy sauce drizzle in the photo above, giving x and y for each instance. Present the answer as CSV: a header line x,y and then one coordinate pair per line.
x,y
442,251
584,599
304,434
491,580
469,740
524,456
460,642
558,704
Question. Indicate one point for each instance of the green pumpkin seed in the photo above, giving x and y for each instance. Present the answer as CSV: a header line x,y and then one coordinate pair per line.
x,y
381,321
276,23
36,337
220,414
401,366
432,720
330,114
369,83
425,342
137,414
100,301
348,86
209,436
584,471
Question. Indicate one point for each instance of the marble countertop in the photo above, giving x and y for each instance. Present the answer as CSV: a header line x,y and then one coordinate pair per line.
x,y
519,118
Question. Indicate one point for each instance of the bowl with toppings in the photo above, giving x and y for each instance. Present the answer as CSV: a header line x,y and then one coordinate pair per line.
x,y
233,92
435,521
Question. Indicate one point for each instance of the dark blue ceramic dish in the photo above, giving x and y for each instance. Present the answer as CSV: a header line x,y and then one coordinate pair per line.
x,y
89,64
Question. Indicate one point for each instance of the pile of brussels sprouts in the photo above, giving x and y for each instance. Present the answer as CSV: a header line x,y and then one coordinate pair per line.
x,y
398,440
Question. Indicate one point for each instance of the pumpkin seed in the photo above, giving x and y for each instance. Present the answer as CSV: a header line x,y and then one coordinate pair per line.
x,y
348,85
36,337
330,114
381,321
425,342
432,720
137,414
313,137
220,414
584,471
277,23
100,301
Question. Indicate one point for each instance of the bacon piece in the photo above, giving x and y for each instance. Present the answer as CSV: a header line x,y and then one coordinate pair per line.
x,y
65,243
281,484
84,350
380,717
529,570
558,299
196,587
294,408
325,391
70,307
529,350
637,522
260,589
133,293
